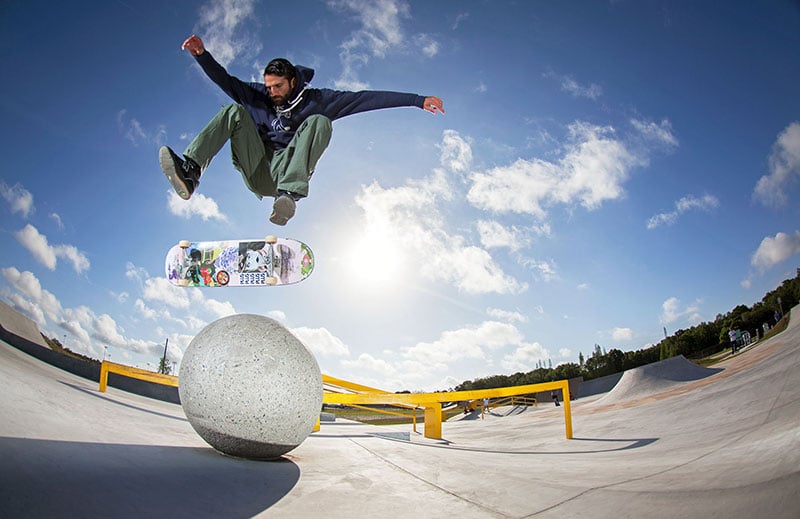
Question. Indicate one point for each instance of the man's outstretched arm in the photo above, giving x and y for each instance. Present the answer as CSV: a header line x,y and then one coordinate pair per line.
x,y
238,90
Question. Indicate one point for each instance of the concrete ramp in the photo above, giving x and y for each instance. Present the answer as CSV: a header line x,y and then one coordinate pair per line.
x,y
655,378
721,446
20,325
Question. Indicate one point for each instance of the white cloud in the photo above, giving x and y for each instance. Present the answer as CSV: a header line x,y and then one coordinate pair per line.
x,y
459,18
19,199
198,205
506,315
622,334
75,328
543,270
133,131
37,245
106,331
81,322
772,251
427,44
144,310
380,30
593,169
321,341
410,215
48,255
493,234
381,369
571,86
28,308
465,343
221,26
161,290
685,204
525,357
278,315
135,273
657,133
456,152
784,168
672,311
215,308
57,219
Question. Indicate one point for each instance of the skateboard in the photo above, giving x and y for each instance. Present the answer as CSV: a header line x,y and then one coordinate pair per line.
x,y
239,263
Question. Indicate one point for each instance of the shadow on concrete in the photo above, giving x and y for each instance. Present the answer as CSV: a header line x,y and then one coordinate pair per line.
x,y
50,478
101,396
626,444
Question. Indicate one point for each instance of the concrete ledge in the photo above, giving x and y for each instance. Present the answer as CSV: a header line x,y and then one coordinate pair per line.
x,y
90,370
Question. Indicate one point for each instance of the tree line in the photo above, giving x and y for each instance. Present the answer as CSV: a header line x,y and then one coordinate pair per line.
x,y
701,340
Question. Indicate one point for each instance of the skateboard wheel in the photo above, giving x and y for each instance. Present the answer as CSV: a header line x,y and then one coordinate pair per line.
x,y
183,244
271,280
183,282
271,239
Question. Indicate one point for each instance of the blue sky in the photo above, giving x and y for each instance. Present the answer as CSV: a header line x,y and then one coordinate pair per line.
x,y
604,170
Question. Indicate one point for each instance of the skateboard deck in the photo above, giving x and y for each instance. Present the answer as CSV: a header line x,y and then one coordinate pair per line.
x,y
239,263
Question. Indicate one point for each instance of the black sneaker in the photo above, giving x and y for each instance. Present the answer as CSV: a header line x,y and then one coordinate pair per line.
x,y
283,209
184,175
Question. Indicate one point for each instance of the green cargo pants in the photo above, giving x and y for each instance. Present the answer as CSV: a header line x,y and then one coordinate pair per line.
x,y
265,172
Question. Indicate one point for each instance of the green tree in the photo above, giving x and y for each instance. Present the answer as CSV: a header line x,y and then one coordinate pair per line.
x,y
164,366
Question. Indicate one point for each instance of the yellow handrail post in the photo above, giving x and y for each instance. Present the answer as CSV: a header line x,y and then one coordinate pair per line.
x,y
433,420
567,408
103,376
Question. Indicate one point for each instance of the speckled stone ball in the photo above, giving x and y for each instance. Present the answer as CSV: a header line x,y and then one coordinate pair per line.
x,y
249,387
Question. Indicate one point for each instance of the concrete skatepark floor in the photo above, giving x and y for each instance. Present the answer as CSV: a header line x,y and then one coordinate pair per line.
x,y
679,442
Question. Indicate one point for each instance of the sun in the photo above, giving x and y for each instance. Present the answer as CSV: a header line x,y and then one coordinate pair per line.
x,y
376,260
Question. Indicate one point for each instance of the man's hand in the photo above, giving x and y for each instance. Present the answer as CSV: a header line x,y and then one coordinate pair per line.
x,y
194,45
433,105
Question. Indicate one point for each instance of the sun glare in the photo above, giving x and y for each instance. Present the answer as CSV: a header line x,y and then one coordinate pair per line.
x,y
376,260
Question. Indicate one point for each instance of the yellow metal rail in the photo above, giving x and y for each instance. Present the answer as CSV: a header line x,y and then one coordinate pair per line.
x,y
432,402
112,367
365,395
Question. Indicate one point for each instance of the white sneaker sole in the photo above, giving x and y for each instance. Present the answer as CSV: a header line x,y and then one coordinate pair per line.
x,y
168,167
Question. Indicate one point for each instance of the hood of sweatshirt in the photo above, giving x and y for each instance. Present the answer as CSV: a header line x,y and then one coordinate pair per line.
x,y
304,77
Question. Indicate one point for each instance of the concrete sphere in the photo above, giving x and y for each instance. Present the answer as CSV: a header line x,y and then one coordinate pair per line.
x,y
249,387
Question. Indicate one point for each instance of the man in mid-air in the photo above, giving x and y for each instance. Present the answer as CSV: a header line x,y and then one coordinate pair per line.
x,y
278,130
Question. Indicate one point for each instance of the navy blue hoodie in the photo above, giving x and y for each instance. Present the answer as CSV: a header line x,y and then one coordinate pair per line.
x,y
278,127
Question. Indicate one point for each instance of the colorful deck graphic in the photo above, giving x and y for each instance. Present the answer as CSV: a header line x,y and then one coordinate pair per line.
x,y
268,262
